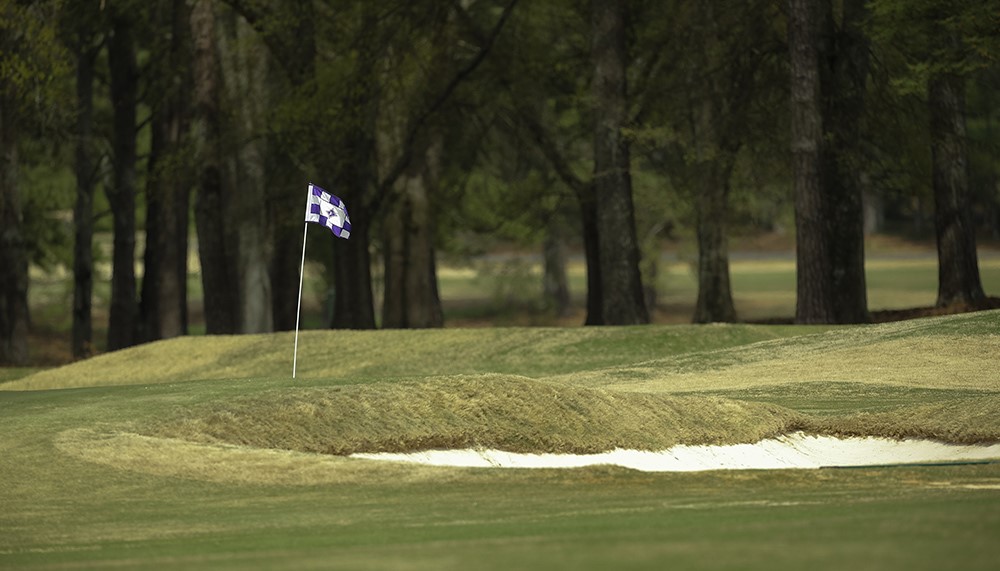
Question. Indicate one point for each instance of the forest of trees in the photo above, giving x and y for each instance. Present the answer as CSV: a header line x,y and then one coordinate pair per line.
x,y
180,125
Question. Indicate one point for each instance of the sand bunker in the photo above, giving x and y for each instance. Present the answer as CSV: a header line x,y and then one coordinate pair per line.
x,y
796,450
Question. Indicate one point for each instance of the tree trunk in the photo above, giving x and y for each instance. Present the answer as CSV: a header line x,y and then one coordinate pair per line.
x,y
714,104
829,73
621,284
958,266
411,290
123,322
844,78
874,211
288,204
256,313
555,282
290,36
164,284
14,316
353,306
177,209
163,307
584,192
83,215
715,298
813,302
218,271
354,166
592,254
245,70
285,280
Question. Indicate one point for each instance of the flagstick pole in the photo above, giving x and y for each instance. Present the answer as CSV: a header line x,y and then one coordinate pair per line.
x,y
298,309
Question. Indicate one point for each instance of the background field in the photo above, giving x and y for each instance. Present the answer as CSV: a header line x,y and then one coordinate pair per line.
x,y
202,453
505,290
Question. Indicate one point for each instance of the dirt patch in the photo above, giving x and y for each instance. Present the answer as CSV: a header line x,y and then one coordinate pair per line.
x,y
888,315
891,315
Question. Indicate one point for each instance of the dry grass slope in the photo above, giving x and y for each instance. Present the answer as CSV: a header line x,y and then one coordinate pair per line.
x,y
523,415
489,411
958,421
955,352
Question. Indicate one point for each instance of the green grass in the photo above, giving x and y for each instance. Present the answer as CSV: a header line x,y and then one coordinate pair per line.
x,y
8,374
508,294
202,453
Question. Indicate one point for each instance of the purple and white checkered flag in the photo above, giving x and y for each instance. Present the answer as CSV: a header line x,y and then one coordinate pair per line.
x,y
328,210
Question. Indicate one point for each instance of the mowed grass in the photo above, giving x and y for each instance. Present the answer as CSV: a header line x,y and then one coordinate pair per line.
x,y
499,291
203,453
506,291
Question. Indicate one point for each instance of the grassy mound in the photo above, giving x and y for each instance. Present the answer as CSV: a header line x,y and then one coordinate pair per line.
x,y
491,411
955,352
524,415
534,352
564,390
958,421
946,352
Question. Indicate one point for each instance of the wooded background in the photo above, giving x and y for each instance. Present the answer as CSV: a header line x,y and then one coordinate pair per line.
x,y
451,128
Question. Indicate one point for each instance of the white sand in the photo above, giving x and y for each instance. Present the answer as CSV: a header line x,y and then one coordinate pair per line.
x,y
796,450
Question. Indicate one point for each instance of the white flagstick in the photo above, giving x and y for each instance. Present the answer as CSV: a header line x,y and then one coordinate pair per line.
x,y
298,309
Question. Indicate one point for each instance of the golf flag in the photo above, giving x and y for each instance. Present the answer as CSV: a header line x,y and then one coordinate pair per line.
x,y
328,210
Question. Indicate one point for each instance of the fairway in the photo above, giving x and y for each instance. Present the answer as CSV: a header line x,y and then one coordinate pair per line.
x,y
202,453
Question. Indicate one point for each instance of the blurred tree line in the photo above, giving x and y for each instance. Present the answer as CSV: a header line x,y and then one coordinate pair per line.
x,y
446,126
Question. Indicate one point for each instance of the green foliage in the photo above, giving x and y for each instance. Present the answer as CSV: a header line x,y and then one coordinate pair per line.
x,y
35,91
34,65
513,210
47,209
761,195
936,37
308,117
914,41
377,65
983,128
712,106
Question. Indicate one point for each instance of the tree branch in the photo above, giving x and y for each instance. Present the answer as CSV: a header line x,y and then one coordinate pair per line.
x,y
435,104
550,149
295,48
